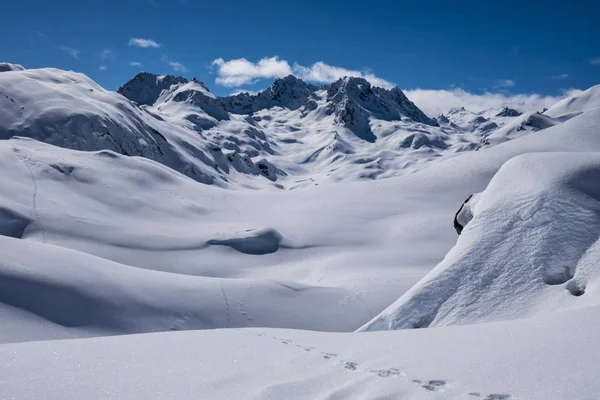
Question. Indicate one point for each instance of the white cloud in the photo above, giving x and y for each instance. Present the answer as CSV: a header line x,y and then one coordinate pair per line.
x,y
435,102
240,71
106,54
595,61
102,67
238,91
144,43
504,83
559,77
71,51
178,67
135,64
325,73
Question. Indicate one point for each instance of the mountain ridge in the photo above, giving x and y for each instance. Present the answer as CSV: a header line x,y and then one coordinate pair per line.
x,y
292,133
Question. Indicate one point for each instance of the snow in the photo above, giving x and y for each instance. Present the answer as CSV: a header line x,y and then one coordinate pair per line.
x,y
269,231
576,104
6,67
279,255
532,229
552,358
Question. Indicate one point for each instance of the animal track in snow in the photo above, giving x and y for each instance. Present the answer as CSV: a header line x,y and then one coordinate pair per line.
x,y
388,373
434,385
352,366
497,397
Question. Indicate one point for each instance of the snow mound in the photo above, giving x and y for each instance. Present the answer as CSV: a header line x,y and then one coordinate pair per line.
x,y
6,67
576,104
532,246
259,242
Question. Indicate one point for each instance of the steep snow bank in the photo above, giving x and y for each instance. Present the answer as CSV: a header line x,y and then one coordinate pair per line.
x,y
576,104
531,247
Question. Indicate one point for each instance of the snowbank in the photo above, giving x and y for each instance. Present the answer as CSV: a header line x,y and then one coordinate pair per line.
x,y
531,247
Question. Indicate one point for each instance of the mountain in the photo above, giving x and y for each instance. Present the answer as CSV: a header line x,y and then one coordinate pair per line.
x,y
145,88
289,92
353,102
508,112
292,134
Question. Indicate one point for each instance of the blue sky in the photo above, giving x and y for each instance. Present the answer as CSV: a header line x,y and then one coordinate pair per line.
x,y
507,47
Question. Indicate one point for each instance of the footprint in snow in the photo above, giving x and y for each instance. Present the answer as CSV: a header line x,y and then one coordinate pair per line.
x,y
352,366
497,397
329,356
434,385
387,373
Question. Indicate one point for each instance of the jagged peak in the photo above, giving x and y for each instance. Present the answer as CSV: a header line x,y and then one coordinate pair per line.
x,y
287,79
144,76
145,88
290,83
508,112
442,119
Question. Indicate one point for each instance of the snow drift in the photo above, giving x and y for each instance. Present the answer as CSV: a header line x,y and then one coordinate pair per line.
x,y
531,247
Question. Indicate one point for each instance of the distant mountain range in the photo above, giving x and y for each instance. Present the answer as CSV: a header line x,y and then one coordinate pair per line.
x,y
289,135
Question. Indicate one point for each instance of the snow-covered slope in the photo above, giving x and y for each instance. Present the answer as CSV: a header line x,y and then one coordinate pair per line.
x,y
530,247
549,358
69,110
576,104
125,233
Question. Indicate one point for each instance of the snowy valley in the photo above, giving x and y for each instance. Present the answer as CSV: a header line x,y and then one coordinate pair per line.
x,y
164,242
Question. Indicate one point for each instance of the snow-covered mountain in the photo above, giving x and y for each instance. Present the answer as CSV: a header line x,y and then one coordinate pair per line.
x,y
133,213
292,134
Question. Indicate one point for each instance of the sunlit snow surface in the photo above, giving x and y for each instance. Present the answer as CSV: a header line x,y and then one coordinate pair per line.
x,y
96,243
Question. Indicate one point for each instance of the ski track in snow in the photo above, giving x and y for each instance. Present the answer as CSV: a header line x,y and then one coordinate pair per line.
x,y
430,385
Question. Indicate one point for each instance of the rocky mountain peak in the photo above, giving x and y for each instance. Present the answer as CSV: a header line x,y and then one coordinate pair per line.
x,y
145,88
508,112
